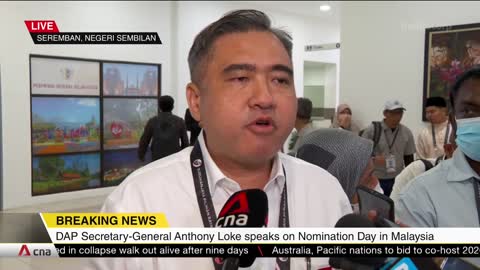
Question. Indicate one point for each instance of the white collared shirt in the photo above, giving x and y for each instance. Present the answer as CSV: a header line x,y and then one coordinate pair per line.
x,y
441,197
424,143
315,199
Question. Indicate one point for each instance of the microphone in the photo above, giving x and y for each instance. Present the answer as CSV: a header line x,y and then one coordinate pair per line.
x,y
353,263
373,263
246,208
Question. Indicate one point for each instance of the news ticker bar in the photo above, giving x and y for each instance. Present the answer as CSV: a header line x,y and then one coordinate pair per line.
x,y
225,250
72,38
153,228
262,236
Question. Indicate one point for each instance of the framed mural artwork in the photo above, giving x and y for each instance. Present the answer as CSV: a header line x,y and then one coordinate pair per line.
x,y
64,76
62,173
124,121
73,126
128,79
449,51
87,116
117,165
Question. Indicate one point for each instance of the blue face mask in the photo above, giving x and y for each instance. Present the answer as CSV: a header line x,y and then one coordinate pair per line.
x,y
468,137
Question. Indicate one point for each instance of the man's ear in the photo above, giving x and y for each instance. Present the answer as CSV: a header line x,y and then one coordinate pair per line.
x,y
193,99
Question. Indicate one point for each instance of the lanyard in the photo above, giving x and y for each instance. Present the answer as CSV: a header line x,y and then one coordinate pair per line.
x,y
476,187
207,210
446,135
390,145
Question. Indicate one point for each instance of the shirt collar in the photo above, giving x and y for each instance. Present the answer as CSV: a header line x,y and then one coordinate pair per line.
x,y
215,175
443,124
385,127
460,169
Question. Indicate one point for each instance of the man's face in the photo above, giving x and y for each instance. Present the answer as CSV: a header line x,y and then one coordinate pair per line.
x,y
436,115
247,103
467,100
393,118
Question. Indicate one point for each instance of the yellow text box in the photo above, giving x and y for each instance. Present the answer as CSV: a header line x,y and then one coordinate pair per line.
x,y
105,220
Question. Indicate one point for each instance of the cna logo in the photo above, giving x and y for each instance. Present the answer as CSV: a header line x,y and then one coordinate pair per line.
x,y
24,249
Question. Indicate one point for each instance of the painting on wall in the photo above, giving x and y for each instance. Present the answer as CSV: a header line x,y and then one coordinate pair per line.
x,y
65,125
58,76
117,165
84,136
62,173
122,79
449,51
124,121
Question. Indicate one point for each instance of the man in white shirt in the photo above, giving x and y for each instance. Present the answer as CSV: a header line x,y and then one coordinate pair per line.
x,y
243,95
431,139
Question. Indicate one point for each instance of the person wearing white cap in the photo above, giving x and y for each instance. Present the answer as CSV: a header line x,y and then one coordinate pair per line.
x,y
394,145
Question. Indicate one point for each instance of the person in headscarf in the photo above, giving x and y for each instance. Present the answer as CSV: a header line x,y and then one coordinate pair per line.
x,y
343,119
343,154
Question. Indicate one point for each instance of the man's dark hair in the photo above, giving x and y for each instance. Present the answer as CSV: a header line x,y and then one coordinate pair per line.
x,y
166,103
238,21
436,102
304,108
473,73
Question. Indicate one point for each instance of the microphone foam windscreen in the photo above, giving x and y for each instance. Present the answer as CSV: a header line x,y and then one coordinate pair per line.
x,y
359,221
354,221
244,209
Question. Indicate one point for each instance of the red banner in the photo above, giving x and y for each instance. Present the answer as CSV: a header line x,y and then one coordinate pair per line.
x,y
44,26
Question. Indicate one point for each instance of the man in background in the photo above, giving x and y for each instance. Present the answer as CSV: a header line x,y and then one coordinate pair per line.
x,y
420,166
166,132
303,123
431,139
242,91
448,195
394,145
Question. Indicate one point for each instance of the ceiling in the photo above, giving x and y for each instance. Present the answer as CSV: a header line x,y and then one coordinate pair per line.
x,y
304,8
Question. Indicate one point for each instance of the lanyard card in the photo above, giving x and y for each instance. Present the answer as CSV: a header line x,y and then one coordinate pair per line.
x,y
390,163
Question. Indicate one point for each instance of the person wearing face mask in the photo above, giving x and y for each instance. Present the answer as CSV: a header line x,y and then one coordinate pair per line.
x,y
343,119
420,166
448,195
345,155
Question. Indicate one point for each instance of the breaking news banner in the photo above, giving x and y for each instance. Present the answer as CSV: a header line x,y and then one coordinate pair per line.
x,y
46,32
149,235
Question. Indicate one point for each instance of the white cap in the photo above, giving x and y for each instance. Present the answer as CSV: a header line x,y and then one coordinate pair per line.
x,y
393,105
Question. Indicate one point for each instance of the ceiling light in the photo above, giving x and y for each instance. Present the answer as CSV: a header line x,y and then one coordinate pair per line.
x,y
325,7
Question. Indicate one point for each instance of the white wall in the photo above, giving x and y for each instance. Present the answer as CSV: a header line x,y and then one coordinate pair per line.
x,y
325,75
333,57
16,46
314,76
383,53
331,86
